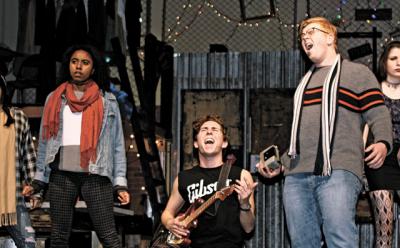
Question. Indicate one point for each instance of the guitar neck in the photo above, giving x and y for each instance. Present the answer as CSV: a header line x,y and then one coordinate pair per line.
x,y
200,209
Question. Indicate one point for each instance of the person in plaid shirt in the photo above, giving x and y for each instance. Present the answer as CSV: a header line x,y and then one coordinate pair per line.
x,y
17,166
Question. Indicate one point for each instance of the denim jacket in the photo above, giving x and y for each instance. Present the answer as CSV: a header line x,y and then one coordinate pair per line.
x,y
111,157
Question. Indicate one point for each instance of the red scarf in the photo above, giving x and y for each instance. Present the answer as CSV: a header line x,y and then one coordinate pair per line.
x,y
90,104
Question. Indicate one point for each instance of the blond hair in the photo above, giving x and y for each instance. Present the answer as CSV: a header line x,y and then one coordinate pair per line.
x,y
325,25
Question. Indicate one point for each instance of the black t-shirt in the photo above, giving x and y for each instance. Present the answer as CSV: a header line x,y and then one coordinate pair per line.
x,y
214,229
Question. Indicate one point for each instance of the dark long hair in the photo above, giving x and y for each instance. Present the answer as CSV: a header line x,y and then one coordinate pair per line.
x,y
100,75
5,100
382,70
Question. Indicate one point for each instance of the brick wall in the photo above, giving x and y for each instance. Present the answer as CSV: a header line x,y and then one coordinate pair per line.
x,y
136,183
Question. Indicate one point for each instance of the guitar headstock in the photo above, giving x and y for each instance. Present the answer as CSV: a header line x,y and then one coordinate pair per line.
x,y
224,192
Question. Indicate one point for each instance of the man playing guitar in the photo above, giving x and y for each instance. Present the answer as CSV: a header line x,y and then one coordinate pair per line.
x,y
224,223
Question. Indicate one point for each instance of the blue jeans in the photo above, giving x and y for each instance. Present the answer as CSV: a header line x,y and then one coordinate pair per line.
x,y
312,202
22,233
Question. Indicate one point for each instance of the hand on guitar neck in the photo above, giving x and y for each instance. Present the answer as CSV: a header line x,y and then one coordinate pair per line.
x,y
179,229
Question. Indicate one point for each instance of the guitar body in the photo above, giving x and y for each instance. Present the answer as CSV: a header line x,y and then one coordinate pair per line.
x,y
191,214
185,242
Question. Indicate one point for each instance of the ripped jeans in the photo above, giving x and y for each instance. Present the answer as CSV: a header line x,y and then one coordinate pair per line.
x,y
23,234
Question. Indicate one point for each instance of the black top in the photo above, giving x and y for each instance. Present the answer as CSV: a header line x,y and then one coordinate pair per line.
x,y
387,177
394,108
219,228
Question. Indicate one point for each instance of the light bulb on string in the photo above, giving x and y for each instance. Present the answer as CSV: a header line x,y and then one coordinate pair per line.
x,y
174,34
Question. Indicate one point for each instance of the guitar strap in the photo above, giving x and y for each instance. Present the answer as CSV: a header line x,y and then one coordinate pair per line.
x,y
223,176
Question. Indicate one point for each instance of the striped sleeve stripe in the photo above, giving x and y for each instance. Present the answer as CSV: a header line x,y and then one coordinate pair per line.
x,y
357,102
312,96
313,101
313,91
362,95
360,109
360,102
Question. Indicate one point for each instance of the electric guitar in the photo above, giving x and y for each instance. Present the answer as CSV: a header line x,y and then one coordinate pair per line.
x,y
193,212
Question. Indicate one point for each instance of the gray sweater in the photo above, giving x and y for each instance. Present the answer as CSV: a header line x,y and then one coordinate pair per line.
x,y
358,103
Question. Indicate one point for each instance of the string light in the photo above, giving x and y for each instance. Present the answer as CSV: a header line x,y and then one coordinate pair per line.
x,y
186,6
338,20
176,31
173,33
132,137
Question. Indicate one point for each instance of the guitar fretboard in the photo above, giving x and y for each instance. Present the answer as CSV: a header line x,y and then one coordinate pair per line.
x,y
206,204
200,210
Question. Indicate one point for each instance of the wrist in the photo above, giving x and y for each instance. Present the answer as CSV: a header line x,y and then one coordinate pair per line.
x,y
169,223
39,187
387,145
245,207
118,188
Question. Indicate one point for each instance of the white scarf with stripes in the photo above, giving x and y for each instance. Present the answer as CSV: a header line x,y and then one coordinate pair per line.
x,y
328,112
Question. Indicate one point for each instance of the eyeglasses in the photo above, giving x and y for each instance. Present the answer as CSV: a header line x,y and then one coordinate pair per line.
x,y
310,32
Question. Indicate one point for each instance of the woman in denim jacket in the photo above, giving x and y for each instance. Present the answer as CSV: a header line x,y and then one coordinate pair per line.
x,y
81,148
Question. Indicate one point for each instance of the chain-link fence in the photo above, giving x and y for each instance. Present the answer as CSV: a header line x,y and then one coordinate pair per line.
x,y
342,13
192,25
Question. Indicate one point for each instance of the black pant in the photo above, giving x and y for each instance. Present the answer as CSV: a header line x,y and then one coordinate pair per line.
x,y
97,192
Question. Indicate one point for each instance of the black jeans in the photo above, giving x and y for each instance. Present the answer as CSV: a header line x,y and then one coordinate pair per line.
x,y
97,192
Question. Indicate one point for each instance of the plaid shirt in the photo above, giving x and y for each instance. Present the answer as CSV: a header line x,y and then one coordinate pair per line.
x,y
25,152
